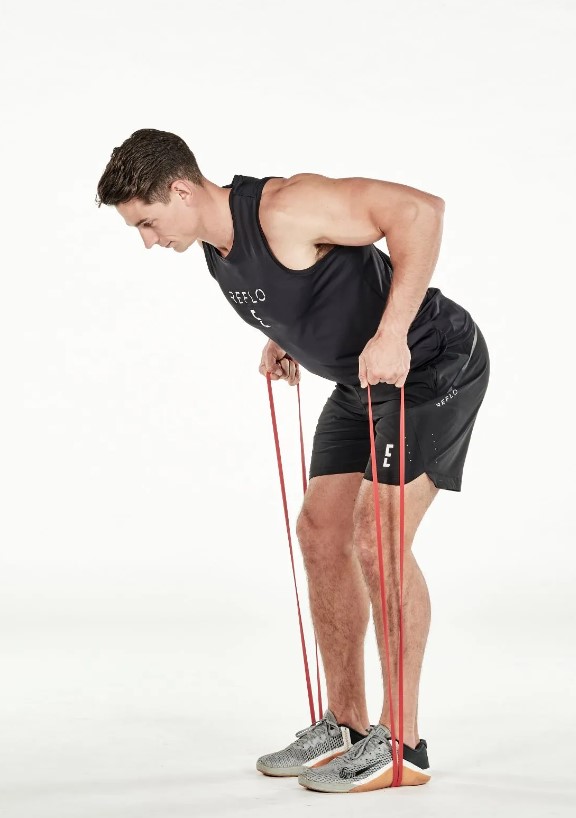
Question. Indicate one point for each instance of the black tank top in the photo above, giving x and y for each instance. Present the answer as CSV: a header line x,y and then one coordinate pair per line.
x,y
322,316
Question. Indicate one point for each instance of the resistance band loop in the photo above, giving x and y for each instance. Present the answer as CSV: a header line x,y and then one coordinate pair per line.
x,y
283,490
397,745
305,486
396,761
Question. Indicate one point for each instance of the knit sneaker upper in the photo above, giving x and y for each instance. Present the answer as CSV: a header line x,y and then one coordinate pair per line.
x,y
321,740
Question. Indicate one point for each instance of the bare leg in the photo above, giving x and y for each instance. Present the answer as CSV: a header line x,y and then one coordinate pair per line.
x,y
339,600
419,494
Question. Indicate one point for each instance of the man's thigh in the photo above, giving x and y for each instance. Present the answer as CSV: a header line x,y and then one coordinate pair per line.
x,y
418,497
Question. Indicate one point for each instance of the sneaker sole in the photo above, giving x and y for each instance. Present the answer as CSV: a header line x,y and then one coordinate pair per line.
x,y
411,776
285,772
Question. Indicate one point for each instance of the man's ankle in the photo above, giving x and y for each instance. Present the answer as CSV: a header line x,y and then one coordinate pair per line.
x,y
350,718
409,739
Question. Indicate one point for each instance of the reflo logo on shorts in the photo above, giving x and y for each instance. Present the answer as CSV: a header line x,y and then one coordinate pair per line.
x,y
451,394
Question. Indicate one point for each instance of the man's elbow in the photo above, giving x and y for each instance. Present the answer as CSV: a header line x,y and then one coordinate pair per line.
x,y
431,208
428,207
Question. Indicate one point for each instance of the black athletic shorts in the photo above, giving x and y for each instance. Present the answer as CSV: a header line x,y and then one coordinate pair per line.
x,y
441,401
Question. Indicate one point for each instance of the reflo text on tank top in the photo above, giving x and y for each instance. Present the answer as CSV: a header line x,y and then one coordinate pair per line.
x,y
246,297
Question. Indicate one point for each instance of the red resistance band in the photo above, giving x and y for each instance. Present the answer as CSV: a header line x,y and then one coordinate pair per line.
x,y
397,744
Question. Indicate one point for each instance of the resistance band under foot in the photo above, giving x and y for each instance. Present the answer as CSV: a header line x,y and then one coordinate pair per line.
x,y
397,744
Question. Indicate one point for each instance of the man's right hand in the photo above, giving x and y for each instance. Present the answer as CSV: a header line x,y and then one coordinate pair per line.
x,y
280,367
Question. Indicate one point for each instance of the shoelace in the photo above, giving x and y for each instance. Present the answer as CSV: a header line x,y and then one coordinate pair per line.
x,y
396,744
369,742
313,731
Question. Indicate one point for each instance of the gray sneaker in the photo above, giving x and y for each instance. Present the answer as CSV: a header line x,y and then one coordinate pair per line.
x,y
314,746
368,766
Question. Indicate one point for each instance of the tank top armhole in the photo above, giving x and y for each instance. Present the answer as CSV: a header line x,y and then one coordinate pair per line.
x,y
208,259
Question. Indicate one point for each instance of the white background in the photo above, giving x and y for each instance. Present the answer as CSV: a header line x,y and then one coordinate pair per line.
x,y
149,644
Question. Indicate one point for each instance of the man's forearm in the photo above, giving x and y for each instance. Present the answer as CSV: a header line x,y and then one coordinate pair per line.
x,y
414,247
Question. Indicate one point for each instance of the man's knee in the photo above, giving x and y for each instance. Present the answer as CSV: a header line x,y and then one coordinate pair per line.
x,y
318,537
323,533
419,494
324,525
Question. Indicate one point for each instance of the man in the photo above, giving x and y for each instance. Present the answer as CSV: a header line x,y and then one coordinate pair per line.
x,y
295,258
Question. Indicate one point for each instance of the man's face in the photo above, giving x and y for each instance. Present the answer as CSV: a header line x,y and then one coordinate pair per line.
x,y
173,225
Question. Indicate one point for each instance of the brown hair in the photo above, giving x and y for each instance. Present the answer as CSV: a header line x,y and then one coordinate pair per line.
x,y
144,167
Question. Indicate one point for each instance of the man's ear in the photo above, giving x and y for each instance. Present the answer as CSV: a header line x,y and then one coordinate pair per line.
x,y
183,188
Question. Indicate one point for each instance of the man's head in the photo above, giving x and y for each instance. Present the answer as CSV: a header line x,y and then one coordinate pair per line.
x,y
152,179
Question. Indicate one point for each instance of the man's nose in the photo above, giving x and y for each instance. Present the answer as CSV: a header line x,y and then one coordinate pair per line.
x,y
149,241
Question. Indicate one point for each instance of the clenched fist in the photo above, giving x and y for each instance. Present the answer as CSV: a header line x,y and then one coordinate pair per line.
x,y
280,366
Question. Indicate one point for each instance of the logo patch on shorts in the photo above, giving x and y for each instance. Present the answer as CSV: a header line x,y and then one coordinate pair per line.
x,y
387,454
451,394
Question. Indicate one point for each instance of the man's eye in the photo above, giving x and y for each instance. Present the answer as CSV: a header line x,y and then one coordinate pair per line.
x,y
147,224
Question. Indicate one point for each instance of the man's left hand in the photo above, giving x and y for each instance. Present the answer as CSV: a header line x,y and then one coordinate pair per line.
x,y
386,357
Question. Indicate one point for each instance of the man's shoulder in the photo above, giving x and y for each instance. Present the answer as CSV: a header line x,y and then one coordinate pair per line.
x,y
289,205
299,191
